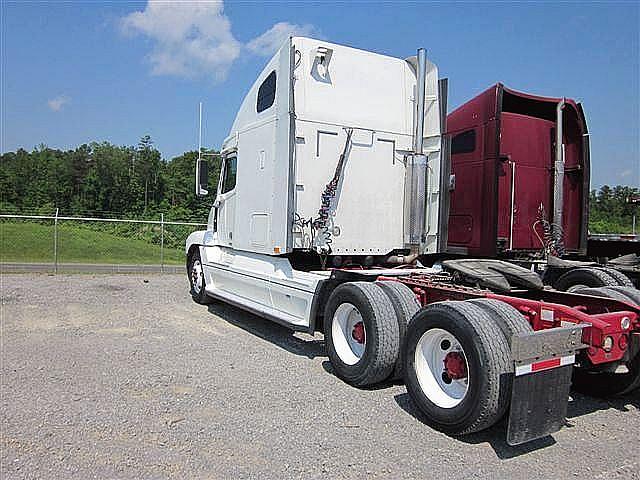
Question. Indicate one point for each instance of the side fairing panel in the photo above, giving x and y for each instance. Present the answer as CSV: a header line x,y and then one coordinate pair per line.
x,y
266,285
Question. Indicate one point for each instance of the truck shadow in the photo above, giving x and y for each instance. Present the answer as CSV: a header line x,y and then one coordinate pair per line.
x,y
578,406
494,436
293,342
326,365
285,338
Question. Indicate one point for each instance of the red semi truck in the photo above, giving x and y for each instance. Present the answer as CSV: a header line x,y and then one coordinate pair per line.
x,y
519,189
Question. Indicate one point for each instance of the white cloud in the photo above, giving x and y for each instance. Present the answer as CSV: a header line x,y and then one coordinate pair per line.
x,y
267,43
194,39
58,102
625,173
190,39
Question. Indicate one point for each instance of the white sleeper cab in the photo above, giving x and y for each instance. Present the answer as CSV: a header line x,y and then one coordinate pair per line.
x,y
316,172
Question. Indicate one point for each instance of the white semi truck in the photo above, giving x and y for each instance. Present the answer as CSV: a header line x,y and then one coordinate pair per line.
x,y
333,186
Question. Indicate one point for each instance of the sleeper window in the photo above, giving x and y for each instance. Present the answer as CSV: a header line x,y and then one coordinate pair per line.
x,y
464,142
267,93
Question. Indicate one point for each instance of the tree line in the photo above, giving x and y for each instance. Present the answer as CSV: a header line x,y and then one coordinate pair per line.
x,y
135,182
104,179
612,209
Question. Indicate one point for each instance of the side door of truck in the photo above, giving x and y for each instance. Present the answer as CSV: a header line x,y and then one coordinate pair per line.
x,y
226,199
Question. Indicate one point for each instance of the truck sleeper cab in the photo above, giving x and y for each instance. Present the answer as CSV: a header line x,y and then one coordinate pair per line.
x,y
503,156
314,103
332,176
520,181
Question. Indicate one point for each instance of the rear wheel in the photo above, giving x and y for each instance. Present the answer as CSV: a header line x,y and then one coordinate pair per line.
x,y
457,367
608,384
584,277
624,294
510,320
632,292
405,305
620,277
361,333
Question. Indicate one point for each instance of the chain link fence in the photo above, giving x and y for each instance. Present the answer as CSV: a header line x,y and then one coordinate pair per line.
x,y
55,243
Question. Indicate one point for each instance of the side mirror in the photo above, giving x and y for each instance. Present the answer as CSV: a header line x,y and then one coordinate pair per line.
x,y
202,177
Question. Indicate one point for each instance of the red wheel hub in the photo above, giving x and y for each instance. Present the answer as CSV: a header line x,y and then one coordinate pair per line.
x,y
358,332
455,365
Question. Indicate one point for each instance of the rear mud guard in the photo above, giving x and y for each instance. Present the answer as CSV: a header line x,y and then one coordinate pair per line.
x,y
540,393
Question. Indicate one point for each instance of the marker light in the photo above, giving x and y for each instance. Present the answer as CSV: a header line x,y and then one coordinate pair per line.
x,y
625,323
623,342
607,344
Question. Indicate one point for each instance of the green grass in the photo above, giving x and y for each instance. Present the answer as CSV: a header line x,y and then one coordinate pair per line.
x,y
33,242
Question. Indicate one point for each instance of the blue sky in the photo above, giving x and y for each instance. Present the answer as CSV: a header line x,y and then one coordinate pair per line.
x,y
78,72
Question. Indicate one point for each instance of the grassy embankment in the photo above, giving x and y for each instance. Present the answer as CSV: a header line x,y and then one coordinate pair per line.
x,y
32,242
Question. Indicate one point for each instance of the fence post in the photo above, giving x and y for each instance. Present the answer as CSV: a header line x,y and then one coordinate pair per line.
x,y
55,242
162,243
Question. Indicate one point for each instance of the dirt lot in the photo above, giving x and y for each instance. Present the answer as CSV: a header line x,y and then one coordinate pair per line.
x,y
115,376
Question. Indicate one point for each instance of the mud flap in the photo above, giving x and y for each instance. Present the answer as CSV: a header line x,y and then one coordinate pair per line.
x,y
538,404
540,393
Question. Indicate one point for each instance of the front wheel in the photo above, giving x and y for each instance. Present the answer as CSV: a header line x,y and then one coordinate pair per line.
x,y
195,270
457,367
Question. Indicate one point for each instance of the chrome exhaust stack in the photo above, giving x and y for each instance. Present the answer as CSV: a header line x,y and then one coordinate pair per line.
x,y
416,166
418,133
558,178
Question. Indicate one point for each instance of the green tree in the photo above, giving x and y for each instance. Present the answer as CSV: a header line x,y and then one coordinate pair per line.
x,y
610,209
104,179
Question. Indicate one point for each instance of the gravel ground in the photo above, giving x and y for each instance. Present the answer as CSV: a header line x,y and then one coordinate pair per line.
x,y
114,376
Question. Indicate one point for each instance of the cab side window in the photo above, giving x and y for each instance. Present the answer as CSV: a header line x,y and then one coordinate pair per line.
x,y
229,178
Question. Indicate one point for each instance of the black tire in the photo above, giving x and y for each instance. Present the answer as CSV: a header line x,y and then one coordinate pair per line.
x,y
584,277
382,343
608,292
488,357
632,292
620,277
607,384
510,320
406,305
198,293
